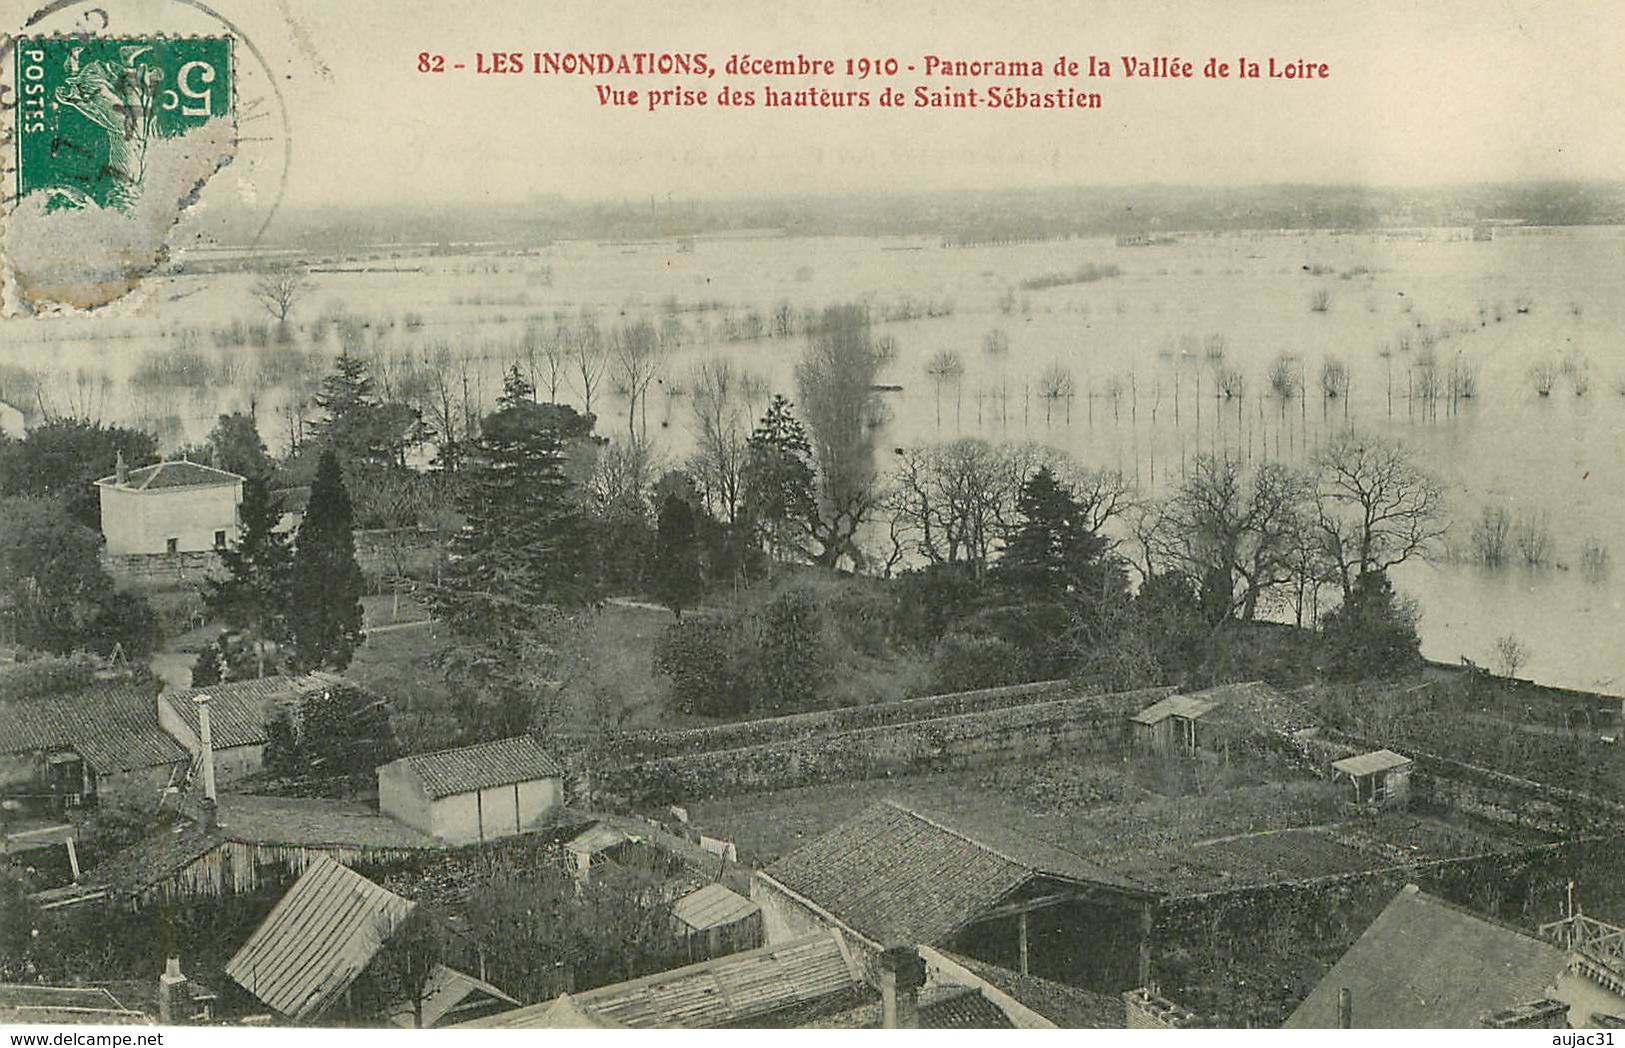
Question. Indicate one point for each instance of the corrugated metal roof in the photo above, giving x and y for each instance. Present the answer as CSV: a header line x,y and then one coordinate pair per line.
x,y
179,474
1425,964
113,728
1190,706
238,711
896,876
317,939
1369,763
712,907
735,990
483,765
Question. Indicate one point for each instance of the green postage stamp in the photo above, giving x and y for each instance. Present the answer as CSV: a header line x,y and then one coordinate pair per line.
x,y
90,111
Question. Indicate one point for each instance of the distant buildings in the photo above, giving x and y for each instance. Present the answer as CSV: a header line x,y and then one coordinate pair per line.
x,y
169,507
474,793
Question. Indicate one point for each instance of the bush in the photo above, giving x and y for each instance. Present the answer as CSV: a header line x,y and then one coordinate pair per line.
x,y
793,657
967,661
701,659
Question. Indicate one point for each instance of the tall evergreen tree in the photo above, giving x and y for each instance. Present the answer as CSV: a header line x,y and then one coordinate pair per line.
x,y
677,579
1052,548
524,559
254,596
324,609
778,480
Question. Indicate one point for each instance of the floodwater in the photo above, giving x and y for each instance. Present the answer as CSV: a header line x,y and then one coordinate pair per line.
x,y
1135,345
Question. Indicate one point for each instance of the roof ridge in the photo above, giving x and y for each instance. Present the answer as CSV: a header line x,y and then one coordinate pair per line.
x,y
472,745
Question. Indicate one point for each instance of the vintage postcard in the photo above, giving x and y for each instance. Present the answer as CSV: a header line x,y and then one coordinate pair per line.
x,y
678,516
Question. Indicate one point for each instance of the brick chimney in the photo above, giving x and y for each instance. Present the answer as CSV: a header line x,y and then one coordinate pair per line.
x,y
902,973
174,1000
121,471
206,759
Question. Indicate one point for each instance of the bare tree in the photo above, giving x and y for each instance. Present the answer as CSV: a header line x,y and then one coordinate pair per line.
x,y
722,417
954,503
1374,507
945,366
637,358
836,378
1510,655
587,359
278,288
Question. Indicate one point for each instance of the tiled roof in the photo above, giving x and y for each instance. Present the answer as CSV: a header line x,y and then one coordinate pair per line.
x,y
113,729
239,711
741,989
1069,1007
483,765
1258,705
317,939
942,1007
1369,763
898,877
712,907
172,475
1425,964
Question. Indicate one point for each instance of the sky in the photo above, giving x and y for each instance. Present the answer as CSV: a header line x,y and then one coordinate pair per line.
x,y
1420,92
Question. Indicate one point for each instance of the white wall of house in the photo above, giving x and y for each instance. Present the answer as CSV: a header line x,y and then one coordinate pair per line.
x,y
401,797
145,521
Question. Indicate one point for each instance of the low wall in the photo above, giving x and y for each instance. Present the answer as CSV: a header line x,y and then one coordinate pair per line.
x,y
164,570
649,745
914,746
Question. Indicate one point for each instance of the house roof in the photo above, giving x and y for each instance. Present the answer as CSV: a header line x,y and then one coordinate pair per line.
x,y
483,765
179,474
445,992
113,729
1370,763
1425,964
737,990
895,876
1258,705
941,1007
1068,1007
21,1003
1189,706
239,711
712,907
317,939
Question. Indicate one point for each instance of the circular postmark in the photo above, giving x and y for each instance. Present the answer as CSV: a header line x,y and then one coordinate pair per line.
x,y
129,142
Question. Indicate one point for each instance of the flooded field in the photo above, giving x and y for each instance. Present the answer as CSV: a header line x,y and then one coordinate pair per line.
x,y
1499,361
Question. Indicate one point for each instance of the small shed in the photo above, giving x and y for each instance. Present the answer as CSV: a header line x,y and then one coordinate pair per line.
x,y
474,793
1381,779
450,997
597,844
714,922
1170,726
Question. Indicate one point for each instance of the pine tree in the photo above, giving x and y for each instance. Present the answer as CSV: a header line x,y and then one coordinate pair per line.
x,y
1052,548
253,598
524,559
324,610
778,480
677,580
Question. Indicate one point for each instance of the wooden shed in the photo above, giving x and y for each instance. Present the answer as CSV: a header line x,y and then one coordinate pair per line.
x,y
714,922
1170,726
1381,779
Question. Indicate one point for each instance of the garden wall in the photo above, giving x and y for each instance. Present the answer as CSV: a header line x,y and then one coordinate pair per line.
x,y
914,746
649,745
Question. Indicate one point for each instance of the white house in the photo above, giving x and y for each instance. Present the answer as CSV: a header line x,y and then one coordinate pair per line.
x,y
169,507
474,793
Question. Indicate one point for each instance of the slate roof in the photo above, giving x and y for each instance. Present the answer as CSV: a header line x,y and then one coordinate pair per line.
x,y
1370,763
712,907
756,987
1425,964
239,711
179,474
316,940
113,729
898,877
501,763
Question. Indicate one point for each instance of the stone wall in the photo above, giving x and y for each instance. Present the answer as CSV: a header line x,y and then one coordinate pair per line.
x,y
929,744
